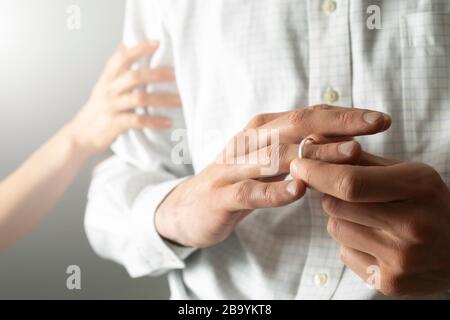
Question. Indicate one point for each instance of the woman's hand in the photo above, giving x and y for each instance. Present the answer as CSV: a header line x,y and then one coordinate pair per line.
x,y
110,109
29,192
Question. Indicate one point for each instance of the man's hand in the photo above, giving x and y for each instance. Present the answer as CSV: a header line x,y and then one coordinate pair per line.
x,y
395,216
205,209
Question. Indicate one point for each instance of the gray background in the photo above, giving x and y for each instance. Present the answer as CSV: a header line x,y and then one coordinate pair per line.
x,y
46,74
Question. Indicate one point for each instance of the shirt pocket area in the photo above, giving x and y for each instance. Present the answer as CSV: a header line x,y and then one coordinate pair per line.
x,y
425,46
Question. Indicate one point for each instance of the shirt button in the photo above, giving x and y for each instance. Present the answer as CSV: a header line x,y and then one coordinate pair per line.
x,y
329,6
330,96
320,279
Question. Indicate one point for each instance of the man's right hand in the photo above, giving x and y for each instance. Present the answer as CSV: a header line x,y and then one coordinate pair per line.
x,y
205,209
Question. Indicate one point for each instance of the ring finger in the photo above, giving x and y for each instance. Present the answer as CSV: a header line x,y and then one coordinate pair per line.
x,y
278,158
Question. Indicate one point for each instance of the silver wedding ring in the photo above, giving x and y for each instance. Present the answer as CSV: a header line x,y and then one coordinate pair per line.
x,y
301,148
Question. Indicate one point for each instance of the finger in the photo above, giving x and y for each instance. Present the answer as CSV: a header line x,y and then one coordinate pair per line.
x,y
249,141
261,119
363,264
125,57
271,161
143,99
374,215
137,121
274,160
262,138
250,132
260,133
252,194
368,159
334,123
328,121
355,183
346,152
141,77
358,237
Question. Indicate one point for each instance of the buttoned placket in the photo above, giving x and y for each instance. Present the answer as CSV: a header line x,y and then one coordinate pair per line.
x,y
330,82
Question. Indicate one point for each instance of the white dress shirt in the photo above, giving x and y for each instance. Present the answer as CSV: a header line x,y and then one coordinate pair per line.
x,y
238,58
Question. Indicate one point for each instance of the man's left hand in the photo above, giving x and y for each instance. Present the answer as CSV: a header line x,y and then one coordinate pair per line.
x,y
395,216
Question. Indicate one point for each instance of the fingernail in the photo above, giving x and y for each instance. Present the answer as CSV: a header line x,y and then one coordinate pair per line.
x,y
346,148
292,188
372,117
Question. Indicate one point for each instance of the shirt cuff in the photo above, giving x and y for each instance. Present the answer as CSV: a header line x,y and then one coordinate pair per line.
x,y
158,255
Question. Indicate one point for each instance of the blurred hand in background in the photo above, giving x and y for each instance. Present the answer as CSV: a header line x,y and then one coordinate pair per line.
x,y
28,193
109,111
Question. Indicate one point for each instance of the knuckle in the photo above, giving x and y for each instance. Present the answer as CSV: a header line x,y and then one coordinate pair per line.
x,y
274,154
393,285
331,205
242,194
317,152
349,185
271,151
283,151
402,258
416,231
299,116
346,119
269,194
413,230
216,172
257,120
430,180
333,227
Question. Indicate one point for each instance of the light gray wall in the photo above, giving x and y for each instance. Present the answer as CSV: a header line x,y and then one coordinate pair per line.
x,y
46,73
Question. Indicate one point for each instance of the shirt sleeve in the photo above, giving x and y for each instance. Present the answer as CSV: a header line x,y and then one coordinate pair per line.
x,y
127,189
